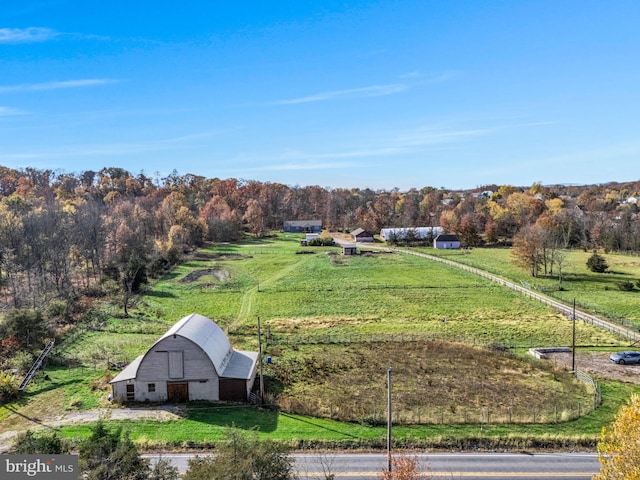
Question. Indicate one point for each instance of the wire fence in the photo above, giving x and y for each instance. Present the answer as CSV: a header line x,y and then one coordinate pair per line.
x,y
425,414
372,413
630,334
490,342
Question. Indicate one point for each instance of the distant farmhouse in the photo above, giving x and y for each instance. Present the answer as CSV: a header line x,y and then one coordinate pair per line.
x,y
302,226
361,235
418,233
446,241
193,360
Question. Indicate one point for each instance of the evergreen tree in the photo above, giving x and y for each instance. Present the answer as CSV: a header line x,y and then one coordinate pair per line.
x,y
597,263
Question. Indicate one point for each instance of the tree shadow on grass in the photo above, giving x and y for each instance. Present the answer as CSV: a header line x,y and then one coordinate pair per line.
x,y
309,421
34,420
248,417
161,294
244,417
610,278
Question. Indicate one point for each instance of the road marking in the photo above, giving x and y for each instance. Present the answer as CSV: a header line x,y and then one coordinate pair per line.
x,y
460,474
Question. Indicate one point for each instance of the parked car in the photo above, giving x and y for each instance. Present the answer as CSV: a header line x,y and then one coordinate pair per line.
x,y
623,358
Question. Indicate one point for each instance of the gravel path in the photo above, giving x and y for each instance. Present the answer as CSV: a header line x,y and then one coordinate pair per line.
x,y
162,413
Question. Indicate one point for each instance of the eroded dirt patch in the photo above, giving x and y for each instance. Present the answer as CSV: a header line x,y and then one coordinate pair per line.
x,y
219,256
219,274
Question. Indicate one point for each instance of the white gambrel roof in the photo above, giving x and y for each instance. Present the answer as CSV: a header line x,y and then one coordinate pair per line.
x,y
205,333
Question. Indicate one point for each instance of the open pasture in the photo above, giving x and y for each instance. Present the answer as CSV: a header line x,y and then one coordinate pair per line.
x,y
324,292
596,292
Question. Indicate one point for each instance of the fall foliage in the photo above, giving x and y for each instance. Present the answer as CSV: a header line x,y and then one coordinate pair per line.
x,y
619,446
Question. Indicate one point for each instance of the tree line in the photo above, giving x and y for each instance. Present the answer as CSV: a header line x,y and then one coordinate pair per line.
x,y
65,235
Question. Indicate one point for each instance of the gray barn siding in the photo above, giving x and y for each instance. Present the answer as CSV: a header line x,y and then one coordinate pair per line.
x,y
197,367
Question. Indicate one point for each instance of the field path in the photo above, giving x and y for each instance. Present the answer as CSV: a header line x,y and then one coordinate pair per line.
x,y
249,297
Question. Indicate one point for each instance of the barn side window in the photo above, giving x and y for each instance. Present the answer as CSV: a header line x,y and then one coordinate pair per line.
x,y
151,387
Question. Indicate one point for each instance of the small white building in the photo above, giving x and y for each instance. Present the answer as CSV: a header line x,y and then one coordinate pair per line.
x,y
193,360
446,241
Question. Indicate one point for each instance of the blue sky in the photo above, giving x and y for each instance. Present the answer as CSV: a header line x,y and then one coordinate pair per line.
x,y
377,94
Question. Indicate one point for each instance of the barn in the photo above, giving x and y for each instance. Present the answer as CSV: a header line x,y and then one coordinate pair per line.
x,y
361,235
445,241
302,226
193,360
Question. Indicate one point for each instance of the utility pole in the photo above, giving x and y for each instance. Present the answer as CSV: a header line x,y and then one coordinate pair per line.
x,y
389,420
573,348
260,360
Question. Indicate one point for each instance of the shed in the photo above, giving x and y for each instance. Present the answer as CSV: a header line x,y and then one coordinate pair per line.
x,y
349,249
302,226
446,241
193,360
361,235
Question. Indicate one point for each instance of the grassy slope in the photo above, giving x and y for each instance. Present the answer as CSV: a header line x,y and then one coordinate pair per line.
x,y
319,293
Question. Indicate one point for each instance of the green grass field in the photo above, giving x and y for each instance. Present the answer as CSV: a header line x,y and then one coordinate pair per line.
x,y
596,292
303,295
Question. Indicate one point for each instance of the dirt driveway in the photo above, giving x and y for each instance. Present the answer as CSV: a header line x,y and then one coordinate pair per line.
x,y
597,364
161,413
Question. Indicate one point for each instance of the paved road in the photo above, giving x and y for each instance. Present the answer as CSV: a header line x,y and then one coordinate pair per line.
x,y
467,466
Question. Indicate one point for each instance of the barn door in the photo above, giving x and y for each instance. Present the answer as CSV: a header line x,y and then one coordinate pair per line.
x,y
176,365
232,389
130,392
178,392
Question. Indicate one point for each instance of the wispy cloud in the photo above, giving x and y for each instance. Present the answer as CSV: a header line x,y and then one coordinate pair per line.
x,y
112,149
26,35
298,166
9,112
38,87
430,78
372,91
419,139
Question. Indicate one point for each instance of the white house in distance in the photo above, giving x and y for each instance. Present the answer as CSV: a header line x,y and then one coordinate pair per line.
x,y
446,241
193,360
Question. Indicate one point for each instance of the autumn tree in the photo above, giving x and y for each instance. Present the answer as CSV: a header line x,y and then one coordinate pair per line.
x,y
223,223
403,467
468,232
527,251
619,445
449,221
128,245
254,218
